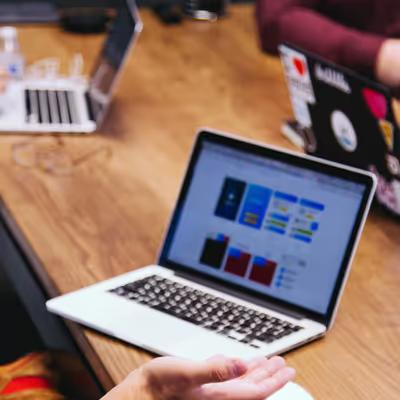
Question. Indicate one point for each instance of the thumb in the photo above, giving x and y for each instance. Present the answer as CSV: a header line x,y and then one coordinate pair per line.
x,y
217,370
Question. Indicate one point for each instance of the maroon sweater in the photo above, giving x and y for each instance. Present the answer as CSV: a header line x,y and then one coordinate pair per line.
x,y
348,32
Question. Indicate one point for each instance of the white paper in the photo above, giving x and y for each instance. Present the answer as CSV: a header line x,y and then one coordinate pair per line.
x,y
291,391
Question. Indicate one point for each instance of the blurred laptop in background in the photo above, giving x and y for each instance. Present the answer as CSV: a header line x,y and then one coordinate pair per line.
x,y
45,105
344,117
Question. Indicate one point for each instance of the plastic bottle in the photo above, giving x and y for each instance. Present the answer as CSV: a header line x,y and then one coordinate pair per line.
x,y
11,58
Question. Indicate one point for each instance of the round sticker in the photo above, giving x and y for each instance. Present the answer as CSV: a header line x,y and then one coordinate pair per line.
x,y
393,164
344,131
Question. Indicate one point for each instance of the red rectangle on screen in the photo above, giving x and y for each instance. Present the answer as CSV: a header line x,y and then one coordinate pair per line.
x,y
263,271
237,262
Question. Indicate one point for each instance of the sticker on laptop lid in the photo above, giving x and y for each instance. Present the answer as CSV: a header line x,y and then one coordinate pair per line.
x,y
388,193
332,78
393,165
302,113
344,131
376,103
297,75
387,130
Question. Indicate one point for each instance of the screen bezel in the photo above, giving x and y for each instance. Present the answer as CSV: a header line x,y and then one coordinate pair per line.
x,y
131,6
295,159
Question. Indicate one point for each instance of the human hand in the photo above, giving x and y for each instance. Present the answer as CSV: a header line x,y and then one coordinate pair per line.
x,y
387,68
218,378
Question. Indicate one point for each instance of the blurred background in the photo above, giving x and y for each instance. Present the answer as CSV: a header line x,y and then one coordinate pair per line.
x,y
22,11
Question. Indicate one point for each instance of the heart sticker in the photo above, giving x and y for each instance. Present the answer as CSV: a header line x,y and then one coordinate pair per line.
x,y
300,65
376,103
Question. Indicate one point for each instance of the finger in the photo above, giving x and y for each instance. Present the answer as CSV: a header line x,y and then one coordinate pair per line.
x,y
266,368
272,384
214,371
269,368
254,363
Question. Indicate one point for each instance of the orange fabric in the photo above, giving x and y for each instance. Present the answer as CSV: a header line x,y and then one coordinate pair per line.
x,y
26,383
29,378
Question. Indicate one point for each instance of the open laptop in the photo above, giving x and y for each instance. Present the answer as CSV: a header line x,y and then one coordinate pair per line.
x,y
254,260
62,105
344,117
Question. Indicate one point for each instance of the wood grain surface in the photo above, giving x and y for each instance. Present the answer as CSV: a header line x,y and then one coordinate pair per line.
x,y
108,216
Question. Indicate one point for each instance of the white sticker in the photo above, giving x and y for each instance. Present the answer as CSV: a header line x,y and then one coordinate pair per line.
x,y
393,165
333,78
344,131
297,75
302,113
388,193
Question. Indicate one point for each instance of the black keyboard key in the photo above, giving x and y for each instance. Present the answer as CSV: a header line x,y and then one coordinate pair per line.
x,y
34,104
72,107
53,110
38,108
68,106
44,107
63,106
27,106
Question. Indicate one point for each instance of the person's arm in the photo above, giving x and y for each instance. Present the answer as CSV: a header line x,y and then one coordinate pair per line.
x,y
298,22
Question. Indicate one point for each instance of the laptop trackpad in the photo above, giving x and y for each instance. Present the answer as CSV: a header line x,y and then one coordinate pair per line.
x,y
142,324
154,330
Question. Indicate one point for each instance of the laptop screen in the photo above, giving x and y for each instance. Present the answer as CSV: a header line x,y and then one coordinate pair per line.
x,y
112,56
267,225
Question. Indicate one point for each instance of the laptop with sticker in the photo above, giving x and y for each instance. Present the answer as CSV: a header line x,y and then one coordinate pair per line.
x,y
345,117
254,260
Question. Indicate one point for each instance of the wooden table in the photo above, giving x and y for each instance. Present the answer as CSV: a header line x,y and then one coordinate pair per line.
x,y
108,216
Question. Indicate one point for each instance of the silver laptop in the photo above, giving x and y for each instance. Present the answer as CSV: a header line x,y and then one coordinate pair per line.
x,y
62,105
254,260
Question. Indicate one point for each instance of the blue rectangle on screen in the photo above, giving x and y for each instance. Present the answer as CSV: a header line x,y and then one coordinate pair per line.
x,y
220,237
235,253
279,217
312,204
314,226
260,261
305,239
255,206
276,230
230,199
287,197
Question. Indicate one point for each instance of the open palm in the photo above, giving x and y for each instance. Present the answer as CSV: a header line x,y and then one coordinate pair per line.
x,y
218,378
263,379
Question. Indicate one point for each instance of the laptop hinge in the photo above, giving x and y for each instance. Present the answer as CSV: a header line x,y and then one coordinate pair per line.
x,y
243,296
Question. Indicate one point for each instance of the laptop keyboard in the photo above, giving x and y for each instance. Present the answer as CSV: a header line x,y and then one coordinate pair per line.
x,y
207,311
50,107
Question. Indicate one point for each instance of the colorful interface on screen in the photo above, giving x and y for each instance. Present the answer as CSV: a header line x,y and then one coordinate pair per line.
x,y
266,225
